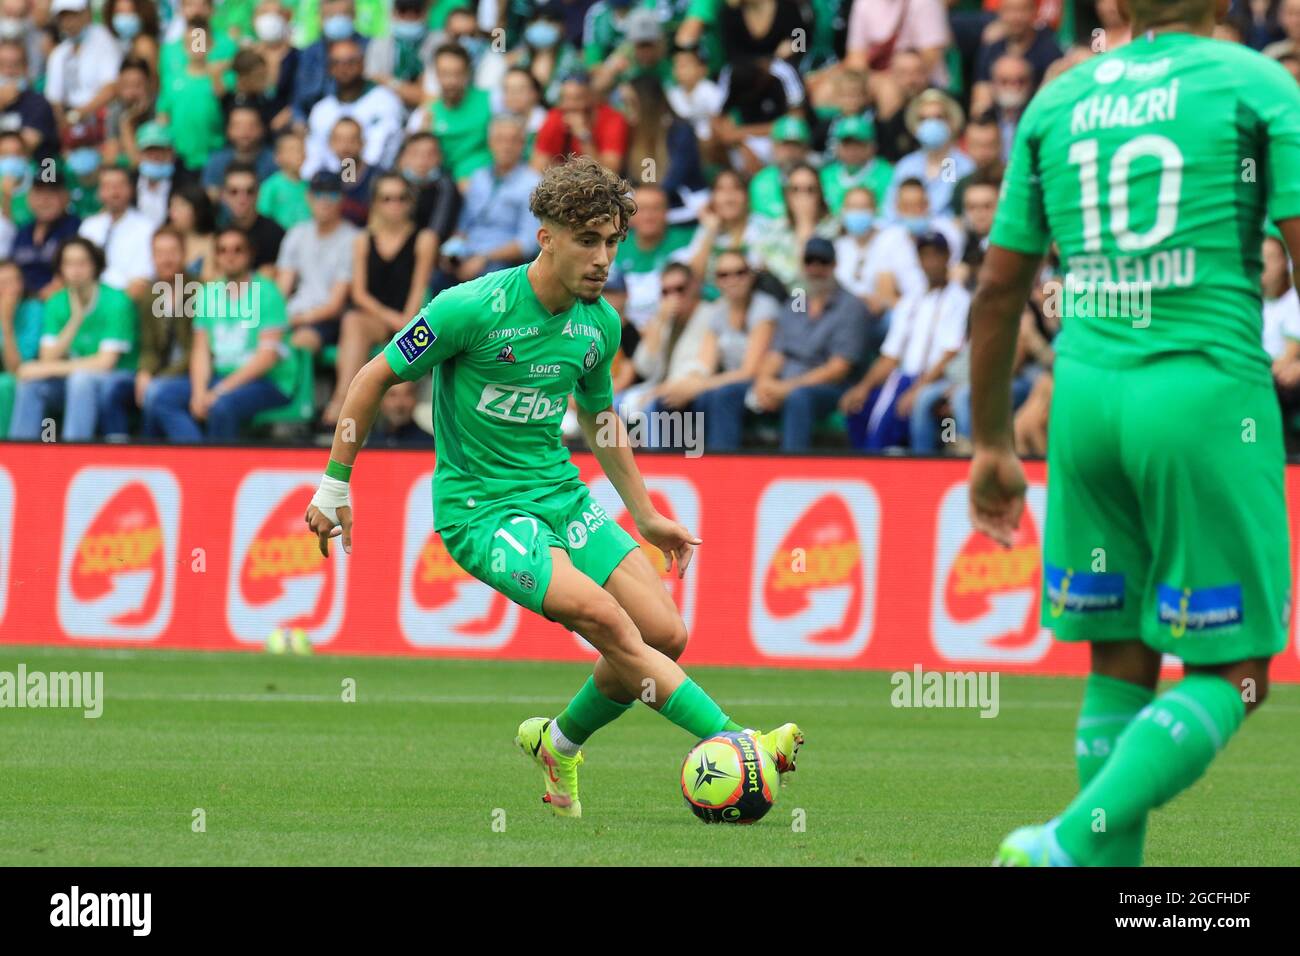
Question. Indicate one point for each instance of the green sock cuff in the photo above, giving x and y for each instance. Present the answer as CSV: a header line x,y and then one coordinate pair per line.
x,y
731,726
1214,703
1111,693
588,711
690,708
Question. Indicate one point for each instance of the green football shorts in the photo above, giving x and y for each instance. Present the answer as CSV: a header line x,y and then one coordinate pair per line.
x,y
1166,510
508,545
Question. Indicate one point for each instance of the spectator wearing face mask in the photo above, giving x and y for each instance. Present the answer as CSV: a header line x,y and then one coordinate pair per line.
x,y
271,29
936,120
135,25
544,51
312,81
157,170
396,61
874,259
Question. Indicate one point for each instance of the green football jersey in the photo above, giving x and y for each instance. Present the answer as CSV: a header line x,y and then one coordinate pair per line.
x,y
1152,168
505,368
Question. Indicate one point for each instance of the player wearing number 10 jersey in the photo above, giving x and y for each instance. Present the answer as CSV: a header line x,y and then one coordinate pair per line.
x,y
1152,168
507,350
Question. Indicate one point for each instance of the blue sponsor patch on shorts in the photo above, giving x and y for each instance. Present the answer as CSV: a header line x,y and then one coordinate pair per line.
x,y
1082,592
1198,609
415,340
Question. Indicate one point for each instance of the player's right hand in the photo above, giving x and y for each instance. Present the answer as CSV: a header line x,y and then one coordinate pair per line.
x,y
997,493
324,528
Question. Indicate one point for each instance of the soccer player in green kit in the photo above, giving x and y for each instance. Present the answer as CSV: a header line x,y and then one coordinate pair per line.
x,y
507,350
1152,167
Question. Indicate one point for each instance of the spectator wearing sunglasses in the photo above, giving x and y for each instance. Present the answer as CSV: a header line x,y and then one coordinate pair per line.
x,y
736,331
817,350
239,210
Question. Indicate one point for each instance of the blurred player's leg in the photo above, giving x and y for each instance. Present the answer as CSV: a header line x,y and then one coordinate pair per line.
x,y
1122,682
1199,472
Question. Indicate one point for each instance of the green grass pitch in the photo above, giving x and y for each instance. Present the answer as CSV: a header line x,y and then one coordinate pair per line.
x,y
421,770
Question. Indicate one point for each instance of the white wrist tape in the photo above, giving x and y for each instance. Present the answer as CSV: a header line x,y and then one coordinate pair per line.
x,y
330,497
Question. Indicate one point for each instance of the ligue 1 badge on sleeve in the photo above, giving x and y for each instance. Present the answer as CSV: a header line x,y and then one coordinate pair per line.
x,y
414,341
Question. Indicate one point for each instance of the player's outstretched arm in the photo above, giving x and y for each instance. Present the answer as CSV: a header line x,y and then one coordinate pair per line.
x,y
607,438
330,511
997,482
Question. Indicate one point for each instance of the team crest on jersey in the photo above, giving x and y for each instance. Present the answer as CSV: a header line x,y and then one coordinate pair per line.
x,y
507,354
416,340
591,358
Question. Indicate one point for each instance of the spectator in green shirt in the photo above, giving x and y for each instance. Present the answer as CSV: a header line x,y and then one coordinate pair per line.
x,y
239,363
190,104
88,341
856,164
219,48
790,138
283,196
459,117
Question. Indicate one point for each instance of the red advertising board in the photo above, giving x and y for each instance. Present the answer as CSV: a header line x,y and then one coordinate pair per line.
x,y
806,562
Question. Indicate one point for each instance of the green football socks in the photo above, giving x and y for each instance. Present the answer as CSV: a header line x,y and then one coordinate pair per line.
x,y
1108,706
695,712
688,707
588,712
1161,752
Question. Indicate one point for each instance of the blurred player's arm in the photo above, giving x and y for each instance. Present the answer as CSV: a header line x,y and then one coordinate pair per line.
x,y
997,482
1004,285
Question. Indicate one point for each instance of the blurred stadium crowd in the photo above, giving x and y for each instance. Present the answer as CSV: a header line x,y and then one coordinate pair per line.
x,y
213,214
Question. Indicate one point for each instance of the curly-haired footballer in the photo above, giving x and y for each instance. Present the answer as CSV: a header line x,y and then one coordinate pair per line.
x,y
510,347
